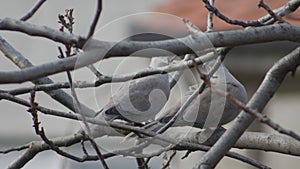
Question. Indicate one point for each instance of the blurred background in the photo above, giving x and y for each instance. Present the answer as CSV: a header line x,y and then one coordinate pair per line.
x,y
248,63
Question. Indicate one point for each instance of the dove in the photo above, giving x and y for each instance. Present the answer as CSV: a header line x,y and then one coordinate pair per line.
x,y
138,100
210,109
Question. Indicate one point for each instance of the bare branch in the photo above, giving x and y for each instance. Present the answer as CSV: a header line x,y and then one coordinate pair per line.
x,y
250,161
77,106
41,132
182,108
96,18
210,23
33,10
20,148
168,161
271,13
95,71
98,152
194,147
214,10
290,7
178,74
75,117
262,118
142,164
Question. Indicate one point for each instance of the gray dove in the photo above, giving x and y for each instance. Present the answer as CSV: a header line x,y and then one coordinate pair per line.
x,y
210,109
141,99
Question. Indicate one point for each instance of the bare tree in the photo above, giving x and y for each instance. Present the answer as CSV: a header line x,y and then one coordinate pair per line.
x,y
271,27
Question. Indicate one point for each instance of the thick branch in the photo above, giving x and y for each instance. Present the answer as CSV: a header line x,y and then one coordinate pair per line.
x,y
249,140
219,39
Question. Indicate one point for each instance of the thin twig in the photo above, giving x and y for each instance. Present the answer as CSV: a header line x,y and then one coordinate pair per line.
x,y
214,10
41,132
75,117
95,71
186,154
195,147
77,106
20,148
99,154
259,116
178,74
182,108
78,109
210,23
58,150
169,160
33,112
33,10
96,18
85,152
271,13
155,153
141,163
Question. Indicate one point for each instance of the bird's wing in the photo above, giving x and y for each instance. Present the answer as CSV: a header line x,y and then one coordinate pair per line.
x,y
140,99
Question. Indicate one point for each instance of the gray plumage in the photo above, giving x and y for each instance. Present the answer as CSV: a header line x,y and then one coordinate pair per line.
x,y
141,99
210,109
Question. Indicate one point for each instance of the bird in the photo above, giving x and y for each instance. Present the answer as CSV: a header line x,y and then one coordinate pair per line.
x,y
209,109
138,100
